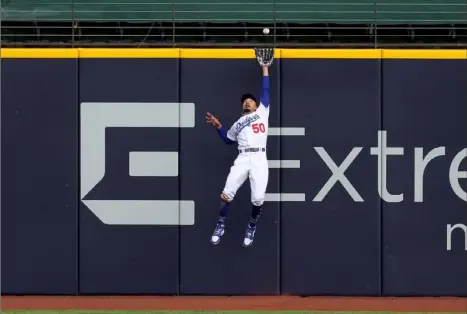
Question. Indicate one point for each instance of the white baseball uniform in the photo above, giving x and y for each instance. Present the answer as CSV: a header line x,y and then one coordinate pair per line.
x,y
251,133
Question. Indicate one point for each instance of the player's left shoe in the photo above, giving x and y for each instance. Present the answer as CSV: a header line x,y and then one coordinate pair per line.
x,y
249,236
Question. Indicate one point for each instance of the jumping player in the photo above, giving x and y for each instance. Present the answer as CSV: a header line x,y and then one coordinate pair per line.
x,y
250,131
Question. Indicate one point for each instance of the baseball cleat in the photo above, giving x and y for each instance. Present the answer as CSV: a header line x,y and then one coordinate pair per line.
x,y
249,236
218,233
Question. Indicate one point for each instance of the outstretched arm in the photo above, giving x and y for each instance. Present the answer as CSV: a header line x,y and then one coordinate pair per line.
x,y
220,130
265,91
265,57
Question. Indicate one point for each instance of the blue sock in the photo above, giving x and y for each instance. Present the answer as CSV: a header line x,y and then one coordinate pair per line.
x,y
224,211
255,213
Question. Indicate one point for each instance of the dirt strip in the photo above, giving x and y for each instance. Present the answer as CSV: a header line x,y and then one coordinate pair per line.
x,y
213,303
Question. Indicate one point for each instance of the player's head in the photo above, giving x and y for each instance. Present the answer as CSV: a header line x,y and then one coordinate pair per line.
x,y
249,103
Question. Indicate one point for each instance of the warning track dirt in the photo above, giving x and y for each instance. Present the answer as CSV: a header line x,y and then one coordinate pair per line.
x,y
238,303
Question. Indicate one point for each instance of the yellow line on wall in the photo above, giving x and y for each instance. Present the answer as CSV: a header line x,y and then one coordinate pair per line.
x,y
218,53
174,53
129,53
331,53
35,53
424,54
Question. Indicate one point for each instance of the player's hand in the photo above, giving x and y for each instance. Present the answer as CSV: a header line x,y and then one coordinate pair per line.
x,y
264,56
213,120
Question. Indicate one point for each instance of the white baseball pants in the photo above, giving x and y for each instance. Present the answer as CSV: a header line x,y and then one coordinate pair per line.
x,y
252,165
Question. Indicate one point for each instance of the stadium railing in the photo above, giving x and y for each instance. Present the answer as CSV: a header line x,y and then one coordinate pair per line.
x,y
223,23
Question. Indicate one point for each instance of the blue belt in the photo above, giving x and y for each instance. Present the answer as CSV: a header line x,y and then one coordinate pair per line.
x,y
252,150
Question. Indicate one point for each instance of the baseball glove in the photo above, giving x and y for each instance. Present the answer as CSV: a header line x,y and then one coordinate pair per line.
x,y
265,56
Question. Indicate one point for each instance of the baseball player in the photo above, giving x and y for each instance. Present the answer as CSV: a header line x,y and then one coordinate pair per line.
x,y
250,131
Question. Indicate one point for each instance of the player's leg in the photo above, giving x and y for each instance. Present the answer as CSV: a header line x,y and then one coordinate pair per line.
x,y
237,176
259,176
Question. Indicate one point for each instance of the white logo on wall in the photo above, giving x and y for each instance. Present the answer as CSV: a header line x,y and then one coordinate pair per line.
x,y
421,161
97,116
449,230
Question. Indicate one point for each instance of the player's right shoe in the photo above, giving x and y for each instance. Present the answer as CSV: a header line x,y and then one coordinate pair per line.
x,y
218,233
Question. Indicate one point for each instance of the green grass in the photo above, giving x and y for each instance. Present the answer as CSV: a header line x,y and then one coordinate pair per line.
x,y
203,312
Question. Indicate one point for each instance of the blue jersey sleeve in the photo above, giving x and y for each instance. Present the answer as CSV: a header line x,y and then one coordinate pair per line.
x,y
223,135
265,92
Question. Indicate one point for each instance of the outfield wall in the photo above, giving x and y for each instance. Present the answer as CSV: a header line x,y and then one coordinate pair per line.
x,y
111,177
